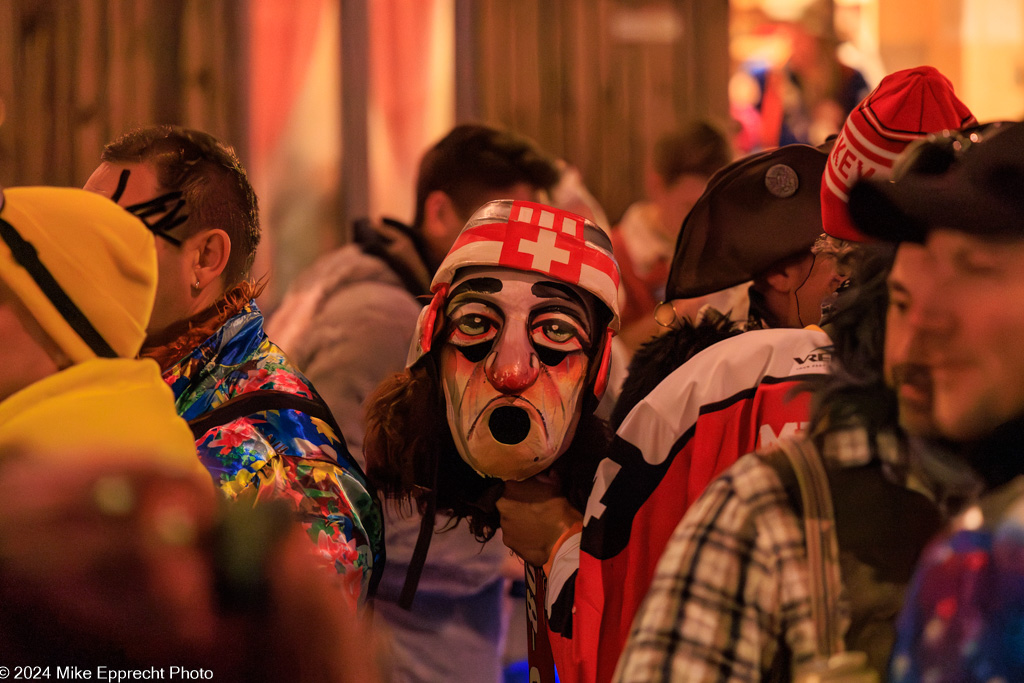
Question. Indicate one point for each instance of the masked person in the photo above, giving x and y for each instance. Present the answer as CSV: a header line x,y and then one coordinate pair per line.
x,y
508,363
598,576
347,322
259,425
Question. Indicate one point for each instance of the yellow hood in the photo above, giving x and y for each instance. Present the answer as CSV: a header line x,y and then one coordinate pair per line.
x,y
103,410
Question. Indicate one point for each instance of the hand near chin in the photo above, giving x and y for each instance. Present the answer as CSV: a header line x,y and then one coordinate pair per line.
x,y
534,515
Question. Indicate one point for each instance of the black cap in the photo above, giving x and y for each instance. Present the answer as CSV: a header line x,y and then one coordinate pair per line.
x,y
978,190
754,213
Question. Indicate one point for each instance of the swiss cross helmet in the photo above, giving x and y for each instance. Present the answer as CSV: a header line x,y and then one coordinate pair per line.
x,y
528,236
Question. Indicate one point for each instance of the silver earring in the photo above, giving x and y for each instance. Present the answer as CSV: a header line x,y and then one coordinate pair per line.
x,y
196,285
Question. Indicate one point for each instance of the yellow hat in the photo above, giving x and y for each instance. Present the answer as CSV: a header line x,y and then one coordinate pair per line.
x,y
82,265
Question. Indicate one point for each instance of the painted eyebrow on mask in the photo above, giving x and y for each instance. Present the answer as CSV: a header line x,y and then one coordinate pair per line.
x,y
482,285
556,290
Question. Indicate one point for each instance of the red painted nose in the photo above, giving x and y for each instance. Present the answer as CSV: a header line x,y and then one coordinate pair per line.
x,y
512,366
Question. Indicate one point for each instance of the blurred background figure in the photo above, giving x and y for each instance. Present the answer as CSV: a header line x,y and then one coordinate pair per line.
x,y
331,104
572,194
678,171
804,92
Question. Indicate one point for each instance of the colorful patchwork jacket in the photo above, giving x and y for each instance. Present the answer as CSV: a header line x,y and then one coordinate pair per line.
x,y
280,454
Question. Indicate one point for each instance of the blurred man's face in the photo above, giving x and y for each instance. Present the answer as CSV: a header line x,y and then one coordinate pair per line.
x,y
812,281
441,236
677,201
905,368
514,360
26,359
972,330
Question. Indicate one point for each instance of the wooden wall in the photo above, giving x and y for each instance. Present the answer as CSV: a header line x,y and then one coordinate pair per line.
x,y
594,81
76,74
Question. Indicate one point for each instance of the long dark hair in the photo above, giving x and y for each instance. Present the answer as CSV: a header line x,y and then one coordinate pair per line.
x,y
855,393
410,453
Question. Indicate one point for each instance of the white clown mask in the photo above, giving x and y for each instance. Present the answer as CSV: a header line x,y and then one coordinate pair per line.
x,y
512,326
514,361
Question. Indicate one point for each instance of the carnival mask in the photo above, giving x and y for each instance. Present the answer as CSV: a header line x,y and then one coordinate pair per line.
x,y
524,306
515,354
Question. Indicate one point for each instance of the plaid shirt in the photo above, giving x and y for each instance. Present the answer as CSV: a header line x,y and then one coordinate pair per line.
x,y
733,581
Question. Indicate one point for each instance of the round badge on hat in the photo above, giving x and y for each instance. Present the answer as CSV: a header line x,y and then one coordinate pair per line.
x,y
756,211
782,181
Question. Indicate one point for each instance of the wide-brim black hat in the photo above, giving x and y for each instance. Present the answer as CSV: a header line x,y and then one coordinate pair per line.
x,y
980,191
754,213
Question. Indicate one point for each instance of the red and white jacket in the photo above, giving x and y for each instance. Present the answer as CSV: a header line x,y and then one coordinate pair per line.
x,y
737,396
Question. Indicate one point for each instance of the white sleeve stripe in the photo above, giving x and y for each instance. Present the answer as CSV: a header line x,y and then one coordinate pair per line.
x,y
565,564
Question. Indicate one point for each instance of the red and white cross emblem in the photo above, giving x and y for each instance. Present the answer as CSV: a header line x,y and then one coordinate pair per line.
x,y
547,218
544,240
543,251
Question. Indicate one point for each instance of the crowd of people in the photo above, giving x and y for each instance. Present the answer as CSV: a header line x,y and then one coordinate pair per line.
x,y
763,428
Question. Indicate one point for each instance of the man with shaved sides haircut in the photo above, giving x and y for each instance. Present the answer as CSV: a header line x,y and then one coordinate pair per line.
x,y
260,427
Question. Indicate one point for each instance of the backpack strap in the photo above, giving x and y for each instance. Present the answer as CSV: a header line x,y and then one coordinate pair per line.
x,y
262,400
419,553
820,537
253,402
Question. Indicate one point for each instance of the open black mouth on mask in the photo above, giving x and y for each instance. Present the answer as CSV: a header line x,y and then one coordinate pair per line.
x,y
509,425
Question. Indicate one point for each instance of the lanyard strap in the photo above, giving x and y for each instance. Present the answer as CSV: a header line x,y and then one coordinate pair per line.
x,y
26,256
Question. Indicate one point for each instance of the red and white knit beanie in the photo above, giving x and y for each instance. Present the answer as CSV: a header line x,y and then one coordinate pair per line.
x,y
906,105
